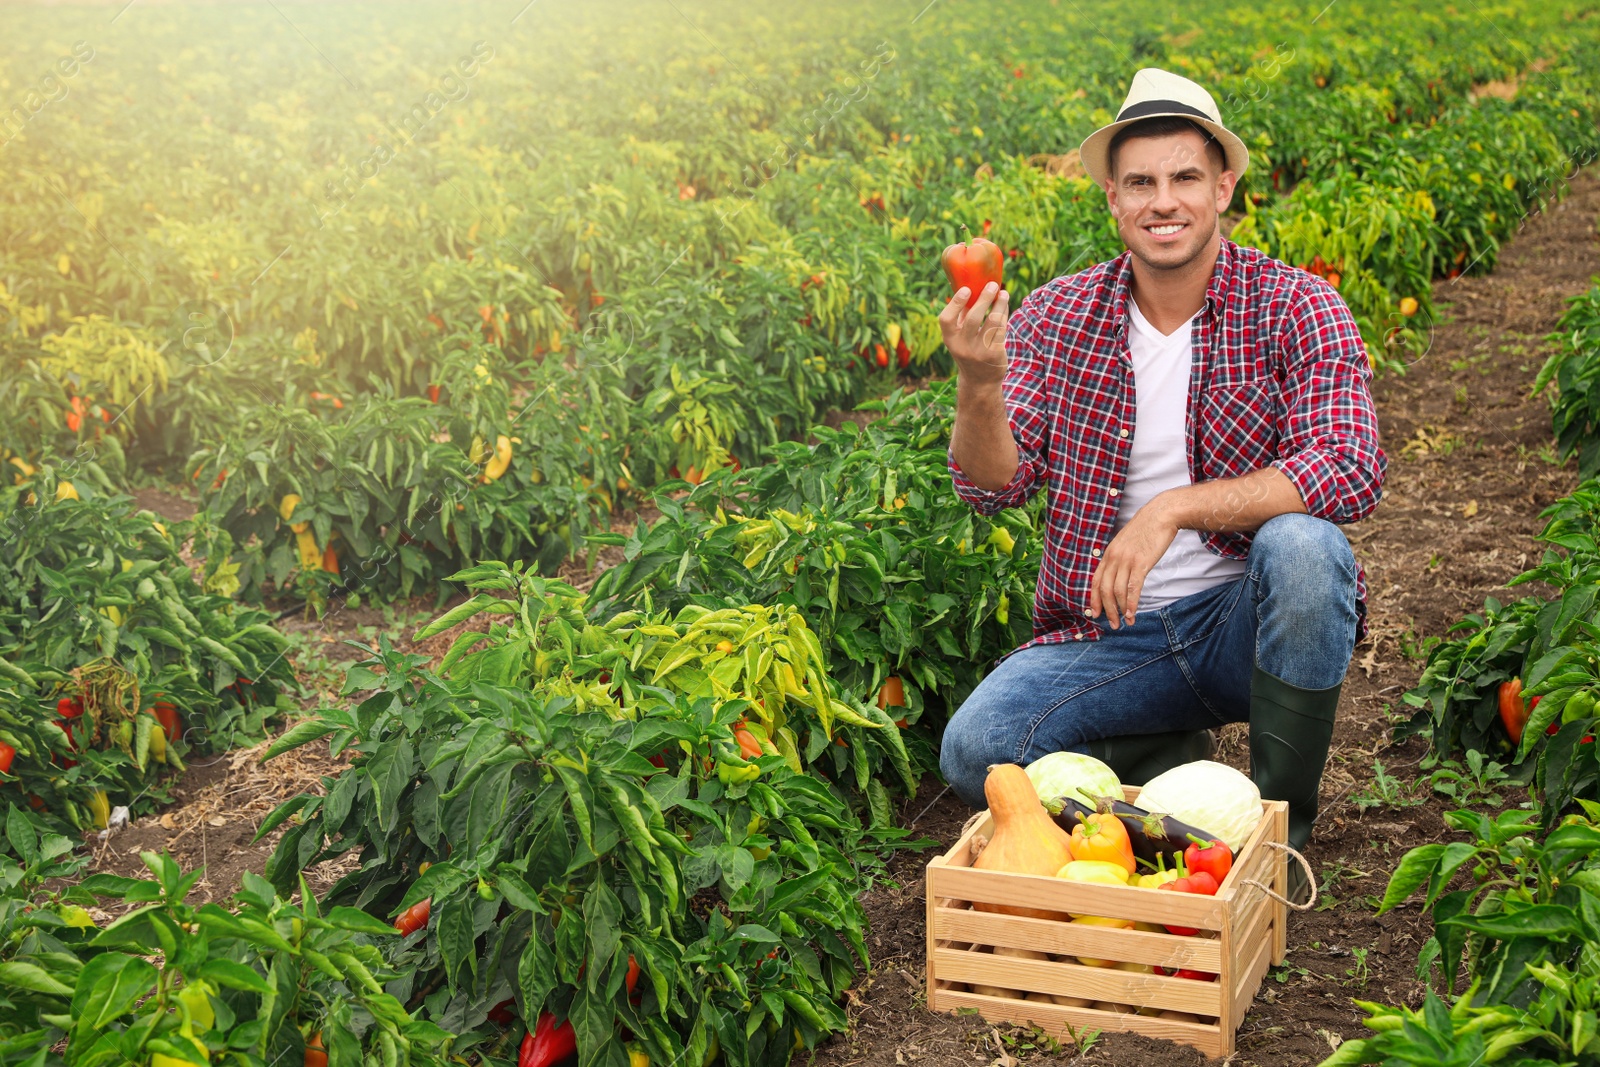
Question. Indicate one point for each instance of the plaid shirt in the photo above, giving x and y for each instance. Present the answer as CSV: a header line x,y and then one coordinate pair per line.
x,y
1280,377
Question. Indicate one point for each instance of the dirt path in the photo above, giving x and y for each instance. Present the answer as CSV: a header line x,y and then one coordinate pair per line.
x,y
1470,469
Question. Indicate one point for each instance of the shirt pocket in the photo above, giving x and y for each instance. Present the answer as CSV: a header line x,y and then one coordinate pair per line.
x,y
1236,431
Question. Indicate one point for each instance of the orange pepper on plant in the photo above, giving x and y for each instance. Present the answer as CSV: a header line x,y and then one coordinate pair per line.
x,y
749,746
1514,711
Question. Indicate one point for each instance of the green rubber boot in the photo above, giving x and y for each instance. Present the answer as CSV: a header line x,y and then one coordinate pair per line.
x,y
1137,758
1290,731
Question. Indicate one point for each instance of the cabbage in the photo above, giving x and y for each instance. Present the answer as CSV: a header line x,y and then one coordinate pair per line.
x,y
1064,774
1207,794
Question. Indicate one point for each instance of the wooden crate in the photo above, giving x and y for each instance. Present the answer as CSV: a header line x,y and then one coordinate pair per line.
x,y
1241,934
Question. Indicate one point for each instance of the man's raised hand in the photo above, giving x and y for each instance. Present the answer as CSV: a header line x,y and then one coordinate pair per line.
x,y
975,333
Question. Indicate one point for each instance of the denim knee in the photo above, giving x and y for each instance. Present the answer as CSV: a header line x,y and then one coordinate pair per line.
x,y
1305,600
1313,553
966,752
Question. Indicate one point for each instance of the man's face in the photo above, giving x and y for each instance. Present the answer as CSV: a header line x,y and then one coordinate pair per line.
x,y
1166,195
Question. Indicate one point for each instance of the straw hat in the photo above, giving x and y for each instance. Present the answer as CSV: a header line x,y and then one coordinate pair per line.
x,y
1154,93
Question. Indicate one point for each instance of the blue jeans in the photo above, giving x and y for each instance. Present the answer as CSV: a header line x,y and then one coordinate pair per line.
x,y
1186,666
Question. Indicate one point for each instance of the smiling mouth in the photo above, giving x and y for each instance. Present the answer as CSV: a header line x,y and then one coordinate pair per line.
x,y
1165,229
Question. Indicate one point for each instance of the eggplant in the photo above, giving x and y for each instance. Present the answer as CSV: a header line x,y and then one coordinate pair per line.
x,y
1150,834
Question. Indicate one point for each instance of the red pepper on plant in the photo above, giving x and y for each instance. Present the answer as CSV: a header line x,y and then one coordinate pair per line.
x,y
7,754
415,917
547,1044
167,716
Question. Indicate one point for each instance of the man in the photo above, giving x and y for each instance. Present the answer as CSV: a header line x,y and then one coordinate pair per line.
x,y
1200,416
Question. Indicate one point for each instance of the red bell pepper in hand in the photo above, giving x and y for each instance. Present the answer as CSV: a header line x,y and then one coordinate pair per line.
x,y
1212,857
973,265
547,1044
1201,884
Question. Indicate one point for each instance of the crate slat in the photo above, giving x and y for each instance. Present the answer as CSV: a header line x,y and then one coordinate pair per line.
x,y
1280,884
1252,849
1076,898
1076,980
1056,1019
1245,984
1072,939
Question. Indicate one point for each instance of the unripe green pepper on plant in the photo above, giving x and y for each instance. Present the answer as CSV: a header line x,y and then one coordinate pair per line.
x,y
731,773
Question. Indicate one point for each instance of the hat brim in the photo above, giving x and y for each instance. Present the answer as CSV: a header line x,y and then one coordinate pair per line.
x,y
1095,152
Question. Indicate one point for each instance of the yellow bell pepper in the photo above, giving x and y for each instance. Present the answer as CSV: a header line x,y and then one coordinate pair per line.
x,y
310,555
1100,920
100,808
286,508
500,461
196,998
67,491
1155,879
1096,871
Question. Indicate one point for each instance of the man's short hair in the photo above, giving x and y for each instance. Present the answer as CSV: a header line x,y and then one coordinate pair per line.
x,y
1164,126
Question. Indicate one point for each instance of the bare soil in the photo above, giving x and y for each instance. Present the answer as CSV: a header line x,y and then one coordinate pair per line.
x,y
1471,466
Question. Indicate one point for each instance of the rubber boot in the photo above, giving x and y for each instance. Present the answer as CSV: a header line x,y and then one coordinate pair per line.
x,y
1137,758
1290,730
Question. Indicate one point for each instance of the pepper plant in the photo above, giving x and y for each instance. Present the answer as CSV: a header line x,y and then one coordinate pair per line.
x,y
863,535
114,659
554,844
171,983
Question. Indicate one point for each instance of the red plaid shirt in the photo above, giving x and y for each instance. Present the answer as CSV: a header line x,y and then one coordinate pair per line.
x,y
1280,377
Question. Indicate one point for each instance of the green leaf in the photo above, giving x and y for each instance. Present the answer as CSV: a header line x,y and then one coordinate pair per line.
x,y
235,976
109,985
300,733
19,831
536,975
357,921
461,613
456,943
1537,921
1414,870
32,978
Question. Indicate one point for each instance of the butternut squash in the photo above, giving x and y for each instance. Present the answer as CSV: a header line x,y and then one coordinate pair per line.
x,y
1025,839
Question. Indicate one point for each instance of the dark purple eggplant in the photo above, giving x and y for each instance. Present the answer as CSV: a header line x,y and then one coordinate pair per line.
x,y
1150,834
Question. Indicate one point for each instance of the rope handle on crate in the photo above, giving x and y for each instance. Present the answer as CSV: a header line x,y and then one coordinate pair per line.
x,y
979,843
1311,880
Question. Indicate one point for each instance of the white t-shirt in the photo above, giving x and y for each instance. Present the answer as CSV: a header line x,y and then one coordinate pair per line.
x,y
1159,459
